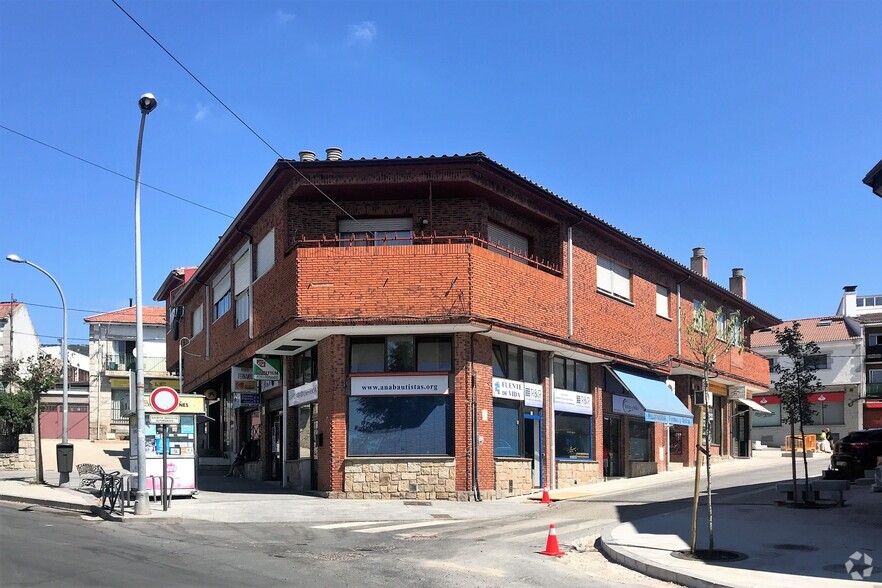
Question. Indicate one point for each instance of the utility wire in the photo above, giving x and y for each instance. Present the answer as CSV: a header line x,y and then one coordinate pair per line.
x,y
116,173
230,110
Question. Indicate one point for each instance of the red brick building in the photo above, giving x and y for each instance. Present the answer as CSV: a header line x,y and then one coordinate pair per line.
x,y
445,328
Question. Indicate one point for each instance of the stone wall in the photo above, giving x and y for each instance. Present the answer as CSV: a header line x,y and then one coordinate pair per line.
x,y
391,478
578,473
643,468
25,459
514,476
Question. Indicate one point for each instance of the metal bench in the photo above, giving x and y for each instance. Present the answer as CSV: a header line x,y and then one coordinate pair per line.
x,y
90,474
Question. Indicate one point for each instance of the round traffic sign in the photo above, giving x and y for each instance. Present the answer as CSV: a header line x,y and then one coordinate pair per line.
x,y
164,399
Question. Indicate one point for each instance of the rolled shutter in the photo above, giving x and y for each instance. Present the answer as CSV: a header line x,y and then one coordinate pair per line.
x,y
370,225
242,272
221,285
508,239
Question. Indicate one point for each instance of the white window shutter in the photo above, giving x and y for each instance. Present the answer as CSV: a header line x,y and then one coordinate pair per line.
x,y
266,253
499,235
221,284
242,272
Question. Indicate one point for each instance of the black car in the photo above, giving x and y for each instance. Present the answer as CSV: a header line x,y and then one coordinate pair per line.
x,y
856,452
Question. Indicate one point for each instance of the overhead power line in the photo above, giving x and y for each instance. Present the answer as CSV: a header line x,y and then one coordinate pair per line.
x,y
230,110
116,173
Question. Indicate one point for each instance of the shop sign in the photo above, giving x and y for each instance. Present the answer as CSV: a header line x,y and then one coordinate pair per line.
x,y
266,385
533,395
627,405
670,419
736,392
266,369
243,380
246,400
569,401
508,389
187,404
303,394
407,385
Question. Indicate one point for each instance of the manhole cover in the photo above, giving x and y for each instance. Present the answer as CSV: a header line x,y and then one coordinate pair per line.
x,y
793,547
708,555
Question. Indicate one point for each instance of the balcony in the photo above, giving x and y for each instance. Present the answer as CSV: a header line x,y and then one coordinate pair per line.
x,y
126,363
874,391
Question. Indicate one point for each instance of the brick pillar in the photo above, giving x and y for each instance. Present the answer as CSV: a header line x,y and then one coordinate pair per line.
x,y
597,379
548,462
660,437
483,367
332,397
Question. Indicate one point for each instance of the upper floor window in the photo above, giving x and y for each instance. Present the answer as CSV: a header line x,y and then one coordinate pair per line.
x,y
197,320
874,340
400,353
266,253
613,278
242,280
736,335
377,231
818,361
508,241
570,374
304,367
662,305
515,363
221,294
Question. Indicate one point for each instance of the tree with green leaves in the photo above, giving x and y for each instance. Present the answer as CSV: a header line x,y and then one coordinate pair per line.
x,y
709,335
796,381
41,373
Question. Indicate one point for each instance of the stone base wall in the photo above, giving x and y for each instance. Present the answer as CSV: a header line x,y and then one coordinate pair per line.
x,y
643,468
297,475
25,459
578,473
514,476
389,478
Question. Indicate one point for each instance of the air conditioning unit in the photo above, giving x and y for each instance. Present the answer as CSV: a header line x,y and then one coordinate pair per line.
x,y
700,397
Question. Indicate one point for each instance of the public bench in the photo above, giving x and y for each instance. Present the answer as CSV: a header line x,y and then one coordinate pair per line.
x,y
817,489
90,474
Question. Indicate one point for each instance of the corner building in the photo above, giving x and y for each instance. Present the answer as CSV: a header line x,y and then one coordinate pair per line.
x,y
443,328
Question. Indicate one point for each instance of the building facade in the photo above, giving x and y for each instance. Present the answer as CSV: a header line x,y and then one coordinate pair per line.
x,y
867,310
18,337
444,328
111,361
839,367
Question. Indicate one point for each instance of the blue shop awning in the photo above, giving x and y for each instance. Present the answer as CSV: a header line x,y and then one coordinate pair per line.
x,y
660,404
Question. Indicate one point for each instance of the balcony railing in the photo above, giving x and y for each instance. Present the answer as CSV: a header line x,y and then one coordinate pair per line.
x,y
430,239
126,362
874,391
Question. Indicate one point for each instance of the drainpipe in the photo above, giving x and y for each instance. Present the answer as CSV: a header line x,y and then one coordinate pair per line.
x,y
552,470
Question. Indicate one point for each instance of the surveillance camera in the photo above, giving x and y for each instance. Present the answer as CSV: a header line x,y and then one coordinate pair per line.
x,y
147,103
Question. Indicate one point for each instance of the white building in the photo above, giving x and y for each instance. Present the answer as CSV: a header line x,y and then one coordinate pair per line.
x,y
18,337
867,309
111,359
840,369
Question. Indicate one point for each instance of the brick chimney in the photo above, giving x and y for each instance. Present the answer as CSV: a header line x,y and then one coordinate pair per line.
x,y
738,283
698,263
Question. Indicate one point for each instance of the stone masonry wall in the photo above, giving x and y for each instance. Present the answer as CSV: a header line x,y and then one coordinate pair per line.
x,y
578,473
426,479
518,471
25,459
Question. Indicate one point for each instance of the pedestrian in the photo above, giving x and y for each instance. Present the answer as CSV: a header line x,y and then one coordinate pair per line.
x,y
829,439
823,444
239,462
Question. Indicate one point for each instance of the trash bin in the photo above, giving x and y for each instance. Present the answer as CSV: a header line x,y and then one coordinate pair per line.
x,y
64,457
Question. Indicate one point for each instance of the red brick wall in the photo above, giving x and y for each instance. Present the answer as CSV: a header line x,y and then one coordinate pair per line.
x,y
462,410
483,366
331,419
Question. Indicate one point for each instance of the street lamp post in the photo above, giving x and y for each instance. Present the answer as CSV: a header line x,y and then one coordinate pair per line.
x,y
63,477
146,103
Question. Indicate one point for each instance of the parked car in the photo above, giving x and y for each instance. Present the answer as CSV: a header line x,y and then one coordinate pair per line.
x,y
856,452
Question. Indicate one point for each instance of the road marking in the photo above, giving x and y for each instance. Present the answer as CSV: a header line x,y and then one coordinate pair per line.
x,y
350,525
406,526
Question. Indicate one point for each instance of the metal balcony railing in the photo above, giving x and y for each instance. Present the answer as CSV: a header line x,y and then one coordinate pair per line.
x,y
126,362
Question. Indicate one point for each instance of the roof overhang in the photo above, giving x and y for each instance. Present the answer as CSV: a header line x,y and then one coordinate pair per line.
x,y
874,179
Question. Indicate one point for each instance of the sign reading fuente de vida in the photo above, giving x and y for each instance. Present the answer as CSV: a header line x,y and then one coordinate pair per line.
x,y
569,401
266,369
530,394
409,384
303,394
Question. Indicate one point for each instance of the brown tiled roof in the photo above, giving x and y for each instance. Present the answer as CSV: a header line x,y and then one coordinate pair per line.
x,y
152,315
870,319
818,329
7,307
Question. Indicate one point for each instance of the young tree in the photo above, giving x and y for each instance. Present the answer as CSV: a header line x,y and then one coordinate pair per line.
x,y
40,374
708,336
795,383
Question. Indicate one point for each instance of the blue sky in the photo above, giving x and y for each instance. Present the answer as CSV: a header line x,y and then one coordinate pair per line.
x,y
742,127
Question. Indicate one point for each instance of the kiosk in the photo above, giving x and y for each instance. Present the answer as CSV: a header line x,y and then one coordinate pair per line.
x,y
180,445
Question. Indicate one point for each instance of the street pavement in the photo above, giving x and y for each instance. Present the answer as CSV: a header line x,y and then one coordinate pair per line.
x,y
784,546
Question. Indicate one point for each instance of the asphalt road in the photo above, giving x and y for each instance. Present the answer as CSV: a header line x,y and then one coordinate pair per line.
x,y
41,547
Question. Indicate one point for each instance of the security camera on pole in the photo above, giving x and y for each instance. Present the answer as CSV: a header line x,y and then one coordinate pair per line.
x,y
147,104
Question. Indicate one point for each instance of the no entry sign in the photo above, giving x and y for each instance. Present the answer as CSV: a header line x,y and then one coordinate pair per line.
x,y
164,399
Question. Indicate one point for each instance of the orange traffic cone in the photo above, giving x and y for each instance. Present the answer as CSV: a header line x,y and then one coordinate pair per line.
x,y
551,546
546,499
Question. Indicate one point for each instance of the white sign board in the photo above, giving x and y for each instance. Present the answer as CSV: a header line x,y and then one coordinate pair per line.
x,y
407,385
243,380
163,419
508,389
737,392
569,401
533,395
303,394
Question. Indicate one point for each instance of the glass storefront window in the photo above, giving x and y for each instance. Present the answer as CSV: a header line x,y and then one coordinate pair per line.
x,y
433,354
761,419
570,374
367,355
531,367
639,440
304,421
400,425
506,429
572,436
400,354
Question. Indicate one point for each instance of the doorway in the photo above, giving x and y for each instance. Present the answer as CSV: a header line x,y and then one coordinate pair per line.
x,y
613,466
276,446
533,446
740,435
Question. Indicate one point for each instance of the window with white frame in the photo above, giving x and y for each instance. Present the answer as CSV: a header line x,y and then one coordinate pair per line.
x,y
875,339
242,280
662,302
736,335
376,231
613,278
874,376
197,320
266,253
221,294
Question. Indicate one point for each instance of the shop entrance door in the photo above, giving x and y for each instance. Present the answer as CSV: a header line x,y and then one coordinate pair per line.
x,y
613,467
276,446
740,440
533,446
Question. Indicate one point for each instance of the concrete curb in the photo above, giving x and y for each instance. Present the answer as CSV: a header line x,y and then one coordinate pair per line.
x,y
130,518
75,506
625,557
